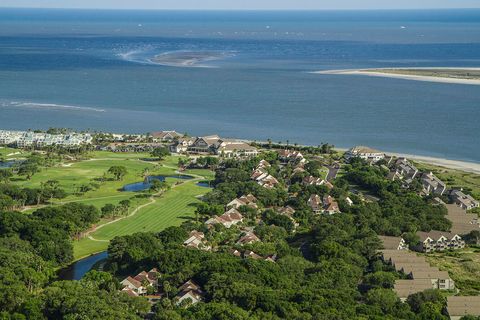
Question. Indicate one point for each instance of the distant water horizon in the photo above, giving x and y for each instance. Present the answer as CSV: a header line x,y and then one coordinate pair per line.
x,y
245,75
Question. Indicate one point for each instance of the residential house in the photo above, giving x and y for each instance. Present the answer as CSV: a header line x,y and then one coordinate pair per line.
x,y
464,201
432,184
248,238
393,243
251,254
439,279
462,222
349,201
439,241
134,285
458,307
286,211
263,178
196,240
404,288
290,156
248,200
228,219
315,203
190,290
403,170
130,292
365,153
264,164
330,206
313,181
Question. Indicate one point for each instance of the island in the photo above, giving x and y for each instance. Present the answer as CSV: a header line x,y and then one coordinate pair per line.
x,y
469,76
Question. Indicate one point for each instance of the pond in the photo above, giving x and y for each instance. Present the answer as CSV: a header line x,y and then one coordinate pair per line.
x,y
8,164
145,185
205,184
77,270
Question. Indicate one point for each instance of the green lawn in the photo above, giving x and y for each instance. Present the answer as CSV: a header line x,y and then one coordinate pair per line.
x,y
171,208
86,247
11,154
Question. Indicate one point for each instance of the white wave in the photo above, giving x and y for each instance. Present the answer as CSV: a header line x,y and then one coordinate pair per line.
x,y
192,59
136,55
36,105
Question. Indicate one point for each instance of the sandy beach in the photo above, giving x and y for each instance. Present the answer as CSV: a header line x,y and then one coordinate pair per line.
x,y
466,166
372,73
451,164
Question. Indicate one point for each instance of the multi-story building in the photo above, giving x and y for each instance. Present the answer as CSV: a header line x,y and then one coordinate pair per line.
x,y
365,153
439,241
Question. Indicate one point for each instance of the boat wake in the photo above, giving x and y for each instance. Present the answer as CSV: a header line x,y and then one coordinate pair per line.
x,y
46,106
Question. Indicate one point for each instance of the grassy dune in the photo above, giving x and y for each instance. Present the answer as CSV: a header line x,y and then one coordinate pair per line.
x,y
463,266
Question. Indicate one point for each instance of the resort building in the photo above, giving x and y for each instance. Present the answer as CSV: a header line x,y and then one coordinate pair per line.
x,y
458,307
166,136
464,201
365,153
204,144
432,184
439,241
181,145
233,149
24,139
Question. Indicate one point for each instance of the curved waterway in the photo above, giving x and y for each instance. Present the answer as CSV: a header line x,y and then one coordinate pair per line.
x,y
79,268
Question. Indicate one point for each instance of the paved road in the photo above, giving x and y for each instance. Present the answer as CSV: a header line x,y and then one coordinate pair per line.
x,y
332,172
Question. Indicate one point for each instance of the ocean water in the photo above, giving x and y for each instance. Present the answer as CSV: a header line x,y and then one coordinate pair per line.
x,y
245,75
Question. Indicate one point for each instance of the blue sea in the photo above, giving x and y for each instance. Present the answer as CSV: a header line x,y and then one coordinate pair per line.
x,y
244,74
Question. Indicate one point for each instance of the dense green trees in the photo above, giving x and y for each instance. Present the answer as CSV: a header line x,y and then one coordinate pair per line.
x,y
160,153
118,172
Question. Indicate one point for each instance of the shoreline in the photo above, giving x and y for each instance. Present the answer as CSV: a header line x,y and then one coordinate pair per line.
x,y
465,166
462,165
371,73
